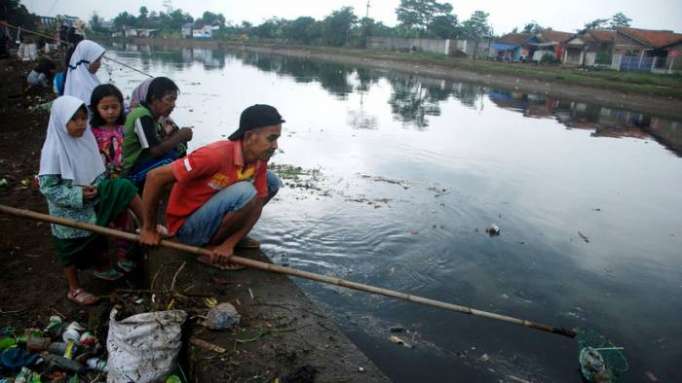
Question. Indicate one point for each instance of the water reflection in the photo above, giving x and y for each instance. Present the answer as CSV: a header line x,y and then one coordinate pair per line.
x,y
415,99
603,121
173,56
412,169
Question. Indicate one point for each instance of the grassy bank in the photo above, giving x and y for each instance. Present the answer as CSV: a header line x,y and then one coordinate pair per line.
x,y
669,86
659,95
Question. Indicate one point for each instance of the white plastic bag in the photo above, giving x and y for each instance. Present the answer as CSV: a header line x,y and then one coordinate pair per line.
x,y
144,347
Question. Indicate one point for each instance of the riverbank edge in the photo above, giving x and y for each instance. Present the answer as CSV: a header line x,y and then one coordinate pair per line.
x,y
666,107
282,333
301,335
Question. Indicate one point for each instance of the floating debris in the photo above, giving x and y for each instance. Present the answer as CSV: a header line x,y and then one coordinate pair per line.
x,y
584,237
399,341
493,230
400,183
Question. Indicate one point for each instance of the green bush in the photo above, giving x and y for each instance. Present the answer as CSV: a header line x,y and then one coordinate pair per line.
x,y
548,59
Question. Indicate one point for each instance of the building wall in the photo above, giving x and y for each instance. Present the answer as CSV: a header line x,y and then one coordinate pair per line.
x,y
590,58
424,45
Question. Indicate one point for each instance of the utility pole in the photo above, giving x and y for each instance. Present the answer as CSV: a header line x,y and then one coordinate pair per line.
x,y
367,10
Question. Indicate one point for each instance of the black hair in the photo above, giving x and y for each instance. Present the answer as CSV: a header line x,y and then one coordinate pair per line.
x,y
44,66
101,91
158,88
81,108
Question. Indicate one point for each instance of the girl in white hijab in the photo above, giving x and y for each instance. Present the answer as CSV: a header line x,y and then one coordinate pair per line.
x,y
80,75
73,180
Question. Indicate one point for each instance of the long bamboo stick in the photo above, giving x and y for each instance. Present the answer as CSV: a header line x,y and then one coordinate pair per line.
x,y
289,271
64,42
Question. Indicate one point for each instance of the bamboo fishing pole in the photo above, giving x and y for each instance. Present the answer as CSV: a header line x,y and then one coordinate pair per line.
x,y
289,271
64,42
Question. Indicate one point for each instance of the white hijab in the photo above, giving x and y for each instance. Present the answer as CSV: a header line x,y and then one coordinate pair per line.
x,y
74,158
79,81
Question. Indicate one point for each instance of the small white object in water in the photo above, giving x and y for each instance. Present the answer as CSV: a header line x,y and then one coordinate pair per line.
x,y
399,341
493,230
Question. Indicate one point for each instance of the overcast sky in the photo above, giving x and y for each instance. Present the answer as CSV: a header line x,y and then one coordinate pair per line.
x,y
504,14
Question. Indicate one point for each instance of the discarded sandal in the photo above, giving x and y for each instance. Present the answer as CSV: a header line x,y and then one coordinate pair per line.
x,y
81,297
248,243
108,275
230,267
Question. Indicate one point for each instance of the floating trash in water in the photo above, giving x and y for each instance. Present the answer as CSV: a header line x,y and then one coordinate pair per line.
x,y
399,341
493,230
584,237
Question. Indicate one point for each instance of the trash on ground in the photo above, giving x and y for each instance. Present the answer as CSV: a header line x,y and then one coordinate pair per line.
x,y
206,345
143,347
223,316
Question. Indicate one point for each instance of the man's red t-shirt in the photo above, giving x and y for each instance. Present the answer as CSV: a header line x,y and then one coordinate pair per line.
x,y
205,172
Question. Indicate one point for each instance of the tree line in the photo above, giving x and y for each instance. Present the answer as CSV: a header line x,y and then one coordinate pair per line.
x,y
417,19
342,27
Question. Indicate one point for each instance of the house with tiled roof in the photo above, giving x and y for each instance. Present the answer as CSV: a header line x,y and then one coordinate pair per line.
x,y
512,47
531,46
625,49
548,42
662,49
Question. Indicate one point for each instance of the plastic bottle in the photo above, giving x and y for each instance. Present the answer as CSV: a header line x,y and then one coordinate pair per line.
x,y
97,364
63,363
54,327
70,350
57,348
72,332
7,342
37,343
23,375
87,339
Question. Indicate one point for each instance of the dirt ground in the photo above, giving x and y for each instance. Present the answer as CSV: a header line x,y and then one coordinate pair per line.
x,y
282,335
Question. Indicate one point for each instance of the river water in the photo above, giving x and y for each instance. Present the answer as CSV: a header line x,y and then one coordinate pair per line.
x,y
399,177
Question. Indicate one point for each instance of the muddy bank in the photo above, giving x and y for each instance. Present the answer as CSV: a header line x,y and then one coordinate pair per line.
x,y
661,106
281,334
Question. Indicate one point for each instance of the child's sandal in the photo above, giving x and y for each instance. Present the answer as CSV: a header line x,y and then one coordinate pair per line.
x,y
81,297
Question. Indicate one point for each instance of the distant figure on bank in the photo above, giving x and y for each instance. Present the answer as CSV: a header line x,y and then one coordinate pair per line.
x,y
219,190
82,65
73,180
147,145
41,75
